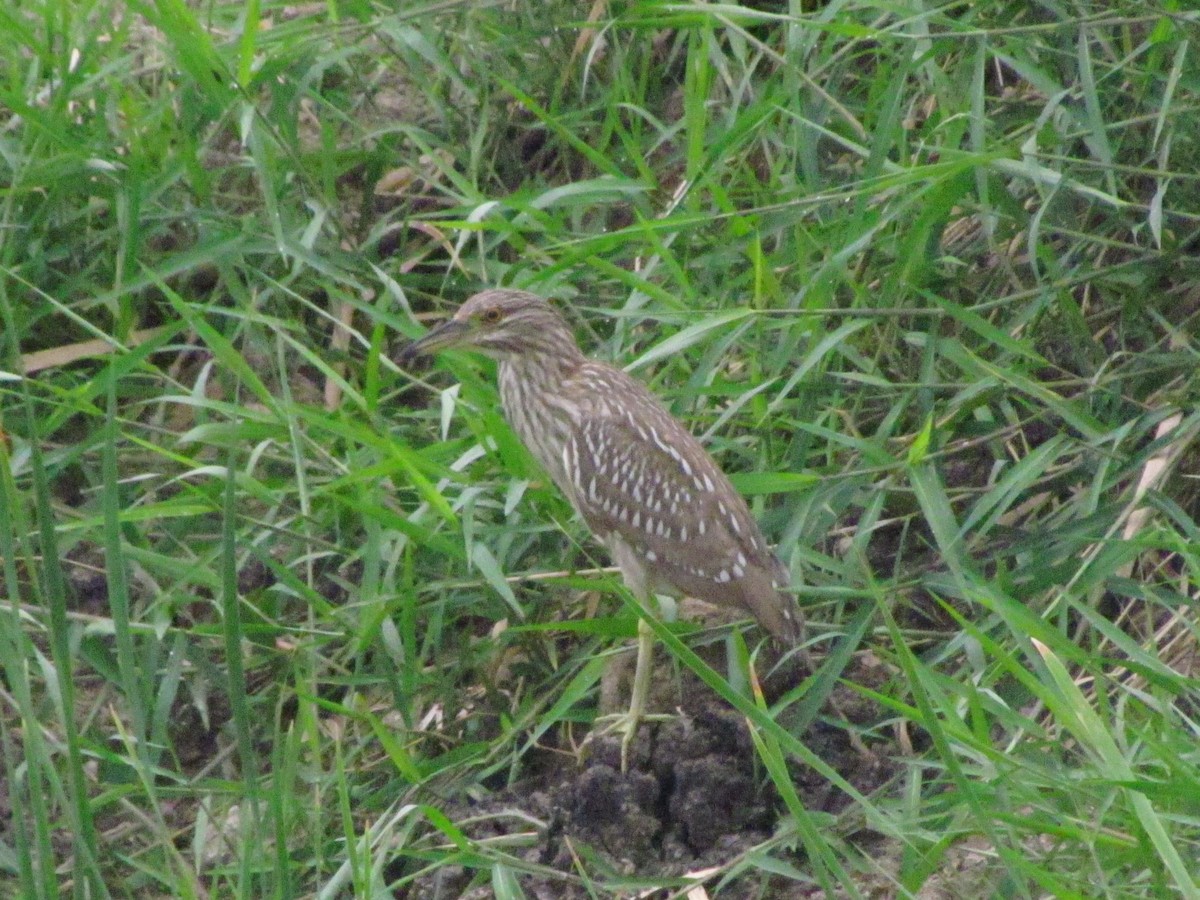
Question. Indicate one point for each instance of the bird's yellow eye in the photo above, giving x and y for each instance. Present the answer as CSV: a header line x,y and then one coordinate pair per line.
x,y
492,315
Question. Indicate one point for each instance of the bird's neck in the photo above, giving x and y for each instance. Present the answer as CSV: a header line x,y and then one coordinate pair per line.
x,y
537,406
544,366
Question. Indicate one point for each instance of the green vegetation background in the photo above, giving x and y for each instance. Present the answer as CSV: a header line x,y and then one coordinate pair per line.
x,y
923,275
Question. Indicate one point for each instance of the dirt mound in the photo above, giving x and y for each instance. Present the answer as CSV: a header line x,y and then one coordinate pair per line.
x,y
695,797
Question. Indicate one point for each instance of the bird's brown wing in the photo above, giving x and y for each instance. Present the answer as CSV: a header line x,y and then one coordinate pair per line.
x,y
649,483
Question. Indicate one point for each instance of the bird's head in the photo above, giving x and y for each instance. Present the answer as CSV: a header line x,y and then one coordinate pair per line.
x,y
501,323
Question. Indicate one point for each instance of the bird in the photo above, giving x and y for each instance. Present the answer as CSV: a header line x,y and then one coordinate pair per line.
x,y
642,483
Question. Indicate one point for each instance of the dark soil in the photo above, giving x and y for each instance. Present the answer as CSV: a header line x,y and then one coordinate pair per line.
x,y
695,797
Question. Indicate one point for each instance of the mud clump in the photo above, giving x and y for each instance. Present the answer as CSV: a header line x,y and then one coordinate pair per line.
x,y
691,799
695,797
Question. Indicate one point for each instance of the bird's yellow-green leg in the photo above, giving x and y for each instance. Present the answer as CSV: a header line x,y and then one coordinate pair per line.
x,y
641,688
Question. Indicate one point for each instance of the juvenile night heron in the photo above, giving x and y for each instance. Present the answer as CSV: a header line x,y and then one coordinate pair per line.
x,y
644,486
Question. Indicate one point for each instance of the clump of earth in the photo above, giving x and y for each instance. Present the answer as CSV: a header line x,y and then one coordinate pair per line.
x,y
695,796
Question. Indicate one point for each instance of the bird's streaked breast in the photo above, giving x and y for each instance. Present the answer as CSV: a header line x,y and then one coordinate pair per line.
x,y
540,417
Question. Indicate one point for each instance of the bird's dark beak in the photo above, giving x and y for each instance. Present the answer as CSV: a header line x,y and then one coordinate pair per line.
x,y
447,334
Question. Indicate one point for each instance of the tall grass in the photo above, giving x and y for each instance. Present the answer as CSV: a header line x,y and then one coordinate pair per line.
x,y
920,274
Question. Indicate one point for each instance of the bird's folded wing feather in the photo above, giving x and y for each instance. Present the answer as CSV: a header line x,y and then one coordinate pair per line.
x,y
655,487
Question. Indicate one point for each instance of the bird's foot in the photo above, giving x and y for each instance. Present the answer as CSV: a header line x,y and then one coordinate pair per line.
x,y
627,725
